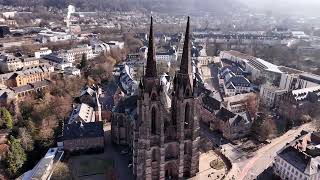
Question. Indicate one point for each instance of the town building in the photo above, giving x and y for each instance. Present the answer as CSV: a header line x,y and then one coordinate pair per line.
x,y
82,137
6,95
83,113
30,88
233,82
42,52
239,103
295,103
27,75
232,125
100,47
167,54
57,62
270,94
293,79
9,63
256,67
76,54
72,71
300,159
91,97
46,36
124,77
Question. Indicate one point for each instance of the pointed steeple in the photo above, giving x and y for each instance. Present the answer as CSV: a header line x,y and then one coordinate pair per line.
x,y
151,70
186,67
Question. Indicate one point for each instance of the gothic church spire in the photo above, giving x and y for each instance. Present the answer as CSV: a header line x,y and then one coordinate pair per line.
x,y
151,69
186,67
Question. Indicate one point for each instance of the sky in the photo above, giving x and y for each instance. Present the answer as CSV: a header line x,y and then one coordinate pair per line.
x,y
306,7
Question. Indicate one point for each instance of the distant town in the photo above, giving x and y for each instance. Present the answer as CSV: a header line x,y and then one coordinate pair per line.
x,y
138,94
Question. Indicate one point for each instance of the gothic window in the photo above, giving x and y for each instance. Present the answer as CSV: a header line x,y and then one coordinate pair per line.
x,y
187,116
154,155
187,92
153,121
153,97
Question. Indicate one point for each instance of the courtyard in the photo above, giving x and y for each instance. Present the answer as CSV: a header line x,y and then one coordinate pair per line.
x,y
90,166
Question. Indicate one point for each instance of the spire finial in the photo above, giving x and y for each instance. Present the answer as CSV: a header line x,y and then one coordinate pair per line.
x,y
185,67
151,70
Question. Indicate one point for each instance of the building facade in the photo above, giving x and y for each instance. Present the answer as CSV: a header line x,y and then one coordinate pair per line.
x,y
300,159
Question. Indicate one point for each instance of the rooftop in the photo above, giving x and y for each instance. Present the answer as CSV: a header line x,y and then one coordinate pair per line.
x,y
83,130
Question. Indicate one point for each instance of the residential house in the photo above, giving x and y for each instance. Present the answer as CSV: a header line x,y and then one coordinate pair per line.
x,y
300,159
217,117
232,125
234,84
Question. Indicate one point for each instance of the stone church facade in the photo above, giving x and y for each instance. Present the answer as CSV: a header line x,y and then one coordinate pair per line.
x,y
166,140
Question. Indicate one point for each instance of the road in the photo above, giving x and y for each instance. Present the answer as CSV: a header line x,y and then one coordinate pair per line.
x,y
265,156
249,168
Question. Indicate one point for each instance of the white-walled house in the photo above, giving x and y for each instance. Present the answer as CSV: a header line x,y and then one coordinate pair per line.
x,y
300,160
42,52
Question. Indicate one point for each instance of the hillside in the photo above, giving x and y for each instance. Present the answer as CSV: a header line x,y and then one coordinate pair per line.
x,y
166,6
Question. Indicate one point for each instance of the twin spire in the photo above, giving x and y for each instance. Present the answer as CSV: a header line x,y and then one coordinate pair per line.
x,y
185,67
151,70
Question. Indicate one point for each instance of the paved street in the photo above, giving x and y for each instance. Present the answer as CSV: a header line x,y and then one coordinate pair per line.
x,y
264,157
246,168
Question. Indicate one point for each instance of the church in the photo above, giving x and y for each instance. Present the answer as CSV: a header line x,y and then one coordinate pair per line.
x,y
164,139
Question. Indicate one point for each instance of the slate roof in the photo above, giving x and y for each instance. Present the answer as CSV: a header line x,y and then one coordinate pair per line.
x,y
128,106
210,103
296,158
240,81
40,84
53,58
31,86
85,130
224,114
235,69
21,89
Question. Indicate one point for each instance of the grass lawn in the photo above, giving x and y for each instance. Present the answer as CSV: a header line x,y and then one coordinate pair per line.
x,y
86,165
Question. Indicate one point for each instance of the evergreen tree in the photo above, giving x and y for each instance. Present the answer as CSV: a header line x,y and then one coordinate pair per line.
x,y
6,118
16,157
